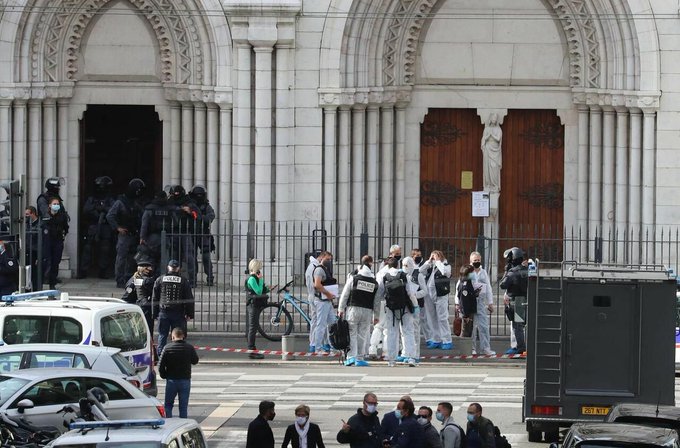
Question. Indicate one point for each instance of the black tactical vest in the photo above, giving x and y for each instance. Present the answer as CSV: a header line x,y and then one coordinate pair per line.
x,y
171,291
363,291
143,288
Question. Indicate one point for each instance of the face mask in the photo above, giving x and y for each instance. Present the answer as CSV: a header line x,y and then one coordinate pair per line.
x,y
371,408
471,418
397,413
397,257
301,421
55,207
477,264
418,260
422,420
439,416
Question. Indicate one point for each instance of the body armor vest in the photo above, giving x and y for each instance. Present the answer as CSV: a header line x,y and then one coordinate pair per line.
x,y
363,291
327,281
143,289
161,218
171,291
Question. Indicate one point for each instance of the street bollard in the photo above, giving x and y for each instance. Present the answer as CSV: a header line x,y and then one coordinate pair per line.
x,y
287,344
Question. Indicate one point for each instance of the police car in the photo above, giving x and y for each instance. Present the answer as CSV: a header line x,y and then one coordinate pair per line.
x,y
160,433
55,317
589,435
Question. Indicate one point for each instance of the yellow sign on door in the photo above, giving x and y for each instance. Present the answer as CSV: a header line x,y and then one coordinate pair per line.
x,y
466,180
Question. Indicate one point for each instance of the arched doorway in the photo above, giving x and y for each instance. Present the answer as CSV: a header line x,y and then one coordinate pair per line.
x,y
122,142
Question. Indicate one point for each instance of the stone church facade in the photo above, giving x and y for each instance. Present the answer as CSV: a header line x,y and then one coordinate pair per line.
x,y
351,110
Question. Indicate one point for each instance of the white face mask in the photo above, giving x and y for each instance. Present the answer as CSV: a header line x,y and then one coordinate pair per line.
x,y
371,408
301,420
422,421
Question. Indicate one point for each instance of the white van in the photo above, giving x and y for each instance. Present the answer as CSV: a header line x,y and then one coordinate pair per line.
x,y
55,317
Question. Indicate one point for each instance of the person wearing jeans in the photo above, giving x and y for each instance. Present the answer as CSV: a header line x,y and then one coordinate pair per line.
x,y
175,367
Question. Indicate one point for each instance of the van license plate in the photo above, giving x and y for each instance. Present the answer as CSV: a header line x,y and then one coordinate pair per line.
x,y
594,410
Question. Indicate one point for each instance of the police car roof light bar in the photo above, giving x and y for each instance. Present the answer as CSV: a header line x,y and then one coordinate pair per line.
x,y
117,424
10,298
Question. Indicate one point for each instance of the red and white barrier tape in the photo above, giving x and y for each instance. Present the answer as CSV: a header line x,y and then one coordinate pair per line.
x,y
336,354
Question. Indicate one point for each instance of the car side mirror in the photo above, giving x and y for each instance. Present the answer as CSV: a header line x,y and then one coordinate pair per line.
x,y
24,404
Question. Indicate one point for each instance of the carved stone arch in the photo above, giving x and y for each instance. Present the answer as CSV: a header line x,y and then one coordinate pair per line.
x,y
57,35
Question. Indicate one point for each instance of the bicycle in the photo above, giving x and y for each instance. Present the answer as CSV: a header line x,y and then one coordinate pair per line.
x,y
275,321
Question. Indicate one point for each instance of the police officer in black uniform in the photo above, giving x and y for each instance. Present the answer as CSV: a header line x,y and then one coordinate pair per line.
x,y
99,236
204,240
55,226
52,188
125,218
158,216
9,270
173,302
139,289
515,282
187,215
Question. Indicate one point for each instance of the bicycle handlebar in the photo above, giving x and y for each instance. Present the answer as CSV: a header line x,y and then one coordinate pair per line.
x,y
285,287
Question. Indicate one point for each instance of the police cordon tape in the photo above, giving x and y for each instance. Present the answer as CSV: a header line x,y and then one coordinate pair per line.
x,y
334,354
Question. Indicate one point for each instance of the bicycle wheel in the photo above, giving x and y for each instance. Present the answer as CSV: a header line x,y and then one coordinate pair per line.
x,y
274,321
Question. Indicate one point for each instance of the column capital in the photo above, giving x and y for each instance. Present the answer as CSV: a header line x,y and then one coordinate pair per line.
x,y
263,46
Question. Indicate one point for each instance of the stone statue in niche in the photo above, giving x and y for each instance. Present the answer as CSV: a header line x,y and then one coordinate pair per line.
x,y
493,158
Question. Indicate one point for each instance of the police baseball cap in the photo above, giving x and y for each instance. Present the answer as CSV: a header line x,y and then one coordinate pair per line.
x,y
173,264
144,263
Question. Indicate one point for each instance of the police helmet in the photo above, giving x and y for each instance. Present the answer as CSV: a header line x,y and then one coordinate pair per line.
x,y
54,183
174,264
103,182
98,394
160,195
136,187
514,255
177,191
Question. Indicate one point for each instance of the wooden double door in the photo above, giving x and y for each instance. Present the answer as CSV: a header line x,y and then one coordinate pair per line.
x,y
530,210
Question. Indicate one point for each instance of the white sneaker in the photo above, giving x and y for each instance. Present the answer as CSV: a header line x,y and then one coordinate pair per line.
x,y
411,362
489,353
474,352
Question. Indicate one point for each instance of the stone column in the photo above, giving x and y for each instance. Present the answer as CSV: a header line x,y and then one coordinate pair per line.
x,y
595,196
5,140
175,144
49,138
263,133
19,153
621,205
400,157
635,183
372,168
213,160
387,166
608,167
62,137
285,125
200,145
35,180
649,182
187,144
242,135
358,202
582,180
344,165
330,115
225,180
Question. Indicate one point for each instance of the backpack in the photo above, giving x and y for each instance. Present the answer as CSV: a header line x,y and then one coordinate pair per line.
x,y
396,296
463,437
442,284
338,334
501,441
467,297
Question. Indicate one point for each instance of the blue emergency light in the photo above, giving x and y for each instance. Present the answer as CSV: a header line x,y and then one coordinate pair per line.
x,y
117,423
10,298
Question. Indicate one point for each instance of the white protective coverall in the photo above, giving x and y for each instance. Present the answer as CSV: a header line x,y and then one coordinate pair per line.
x,y
359,318
437,307
398,323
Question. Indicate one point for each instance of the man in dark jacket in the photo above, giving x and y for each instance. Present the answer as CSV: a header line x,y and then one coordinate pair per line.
x,y
172,302
175,367
9,270
363,430
432,439
479,429
260,434
408,434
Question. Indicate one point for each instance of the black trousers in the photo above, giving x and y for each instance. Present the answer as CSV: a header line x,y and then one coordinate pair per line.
x,y
252,315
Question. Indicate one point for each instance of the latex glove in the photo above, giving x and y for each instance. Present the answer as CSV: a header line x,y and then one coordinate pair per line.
x,y
416,311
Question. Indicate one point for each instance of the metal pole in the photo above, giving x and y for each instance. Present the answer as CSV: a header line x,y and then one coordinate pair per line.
x,y
22,235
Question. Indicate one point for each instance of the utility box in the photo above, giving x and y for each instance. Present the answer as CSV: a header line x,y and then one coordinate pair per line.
x,y
596,335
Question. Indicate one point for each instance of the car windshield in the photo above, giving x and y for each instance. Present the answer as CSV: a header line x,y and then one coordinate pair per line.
x,y
9,386
126,331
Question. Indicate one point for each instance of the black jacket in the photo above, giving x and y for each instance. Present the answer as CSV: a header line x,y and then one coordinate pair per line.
x,y
313,437
365,431
260,434
176,360
480,433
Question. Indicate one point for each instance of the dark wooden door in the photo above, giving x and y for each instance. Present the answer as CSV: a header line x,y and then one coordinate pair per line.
x,y
450,141
532,183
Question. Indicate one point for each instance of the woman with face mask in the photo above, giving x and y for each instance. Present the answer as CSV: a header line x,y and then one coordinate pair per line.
x,y
55,228
303,433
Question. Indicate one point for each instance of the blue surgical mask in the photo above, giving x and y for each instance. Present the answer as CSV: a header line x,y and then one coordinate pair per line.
x,y
301,421
55,207
471,418
439,416
397,413
371,408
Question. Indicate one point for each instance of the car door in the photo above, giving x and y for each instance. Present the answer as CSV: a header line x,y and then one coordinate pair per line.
x,y
193,438
121,403
48,397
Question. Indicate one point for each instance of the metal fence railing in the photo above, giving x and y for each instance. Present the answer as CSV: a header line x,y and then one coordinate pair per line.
x,y
285,248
